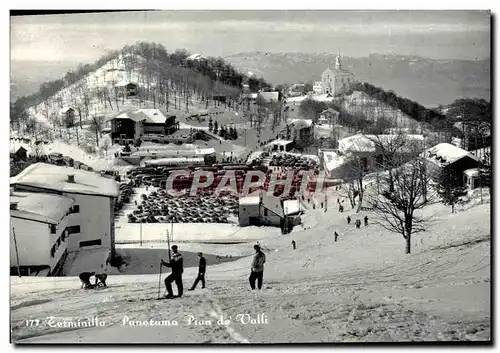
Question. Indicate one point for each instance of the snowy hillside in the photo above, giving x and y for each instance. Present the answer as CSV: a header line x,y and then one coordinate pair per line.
x,y
361,288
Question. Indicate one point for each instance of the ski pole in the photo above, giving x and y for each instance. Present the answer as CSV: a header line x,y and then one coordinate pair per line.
x,y
159,282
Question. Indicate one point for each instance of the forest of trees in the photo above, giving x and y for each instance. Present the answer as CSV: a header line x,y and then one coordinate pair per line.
x,y
166,79
411,108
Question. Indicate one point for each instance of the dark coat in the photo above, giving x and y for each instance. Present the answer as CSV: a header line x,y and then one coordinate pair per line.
x,y
177,264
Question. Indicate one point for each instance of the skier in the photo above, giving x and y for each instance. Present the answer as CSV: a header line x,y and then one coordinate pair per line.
x,y
293,244
366,221
358,223
348,219
85,279
176,276
336,236
257,271
201,273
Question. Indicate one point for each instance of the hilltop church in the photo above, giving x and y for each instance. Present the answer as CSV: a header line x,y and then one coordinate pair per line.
x,y
338,80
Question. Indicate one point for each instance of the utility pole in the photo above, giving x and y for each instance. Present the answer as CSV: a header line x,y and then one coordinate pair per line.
x,y
17,253
141,233
285,225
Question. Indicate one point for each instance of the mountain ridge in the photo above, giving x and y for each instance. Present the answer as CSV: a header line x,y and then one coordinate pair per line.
x,y
434,81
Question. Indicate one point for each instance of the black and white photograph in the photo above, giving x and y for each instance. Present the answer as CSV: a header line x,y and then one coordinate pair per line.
x,y
250,177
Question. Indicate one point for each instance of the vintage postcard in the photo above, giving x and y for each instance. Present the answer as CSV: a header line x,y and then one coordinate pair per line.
x,y
250,177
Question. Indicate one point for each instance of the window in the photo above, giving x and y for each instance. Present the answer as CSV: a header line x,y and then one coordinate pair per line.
x,y
74,209
53,251
58,241
53,229
73,229
90,243
64,235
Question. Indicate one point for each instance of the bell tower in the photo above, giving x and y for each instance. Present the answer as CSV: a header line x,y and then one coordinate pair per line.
x,y
338,63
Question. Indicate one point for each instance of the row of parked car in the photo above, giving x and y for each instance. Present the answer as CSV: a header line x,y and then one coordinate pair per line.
x,y
59,159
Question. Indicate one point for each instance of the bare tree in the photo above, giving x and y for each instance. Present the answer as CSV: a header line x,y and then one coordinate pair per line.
x,y
105,146
97,125
397,210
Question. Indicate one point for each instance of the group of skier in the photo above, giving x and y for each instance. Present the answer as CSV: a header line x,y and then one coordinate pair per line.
x,y
176,263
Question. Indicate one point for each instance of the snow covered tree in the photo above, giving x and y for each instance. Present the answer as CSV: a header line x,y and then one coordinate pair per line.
x,y
398,210
450,188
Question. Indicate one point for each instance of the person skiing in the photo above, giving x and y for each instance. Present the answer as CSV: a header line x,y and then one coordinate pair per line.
x,y
293,244
201,273
358,223
257,271
348,219
336,236
176,263
366,221
85,279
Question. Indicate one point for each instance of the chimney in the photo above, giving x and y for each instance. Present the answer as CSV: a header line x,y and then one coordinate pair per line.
x,y
71,178
13,205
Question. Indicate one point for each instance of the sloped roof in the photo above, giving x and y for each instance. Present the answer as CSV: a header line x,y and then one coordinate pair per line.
x,y
16,145
40,207
279,142
52,177
65,110
249,200
301,122
445,154
332,160
196,56
330,110
338,71
124,83
154,116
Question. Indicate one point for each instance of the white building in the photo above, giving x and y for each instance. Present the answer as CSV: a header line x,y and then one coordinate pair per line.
x,y
91,224
279,145
39,232
338,80
267,210
318,87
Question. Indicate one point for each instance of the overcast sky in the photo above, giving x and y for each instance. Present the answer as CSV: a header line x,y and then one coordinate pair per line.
x,y
85,37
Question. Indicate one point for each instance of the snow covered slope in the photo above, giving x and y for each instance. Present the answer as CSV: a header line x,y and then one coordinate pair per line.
x,y
361,288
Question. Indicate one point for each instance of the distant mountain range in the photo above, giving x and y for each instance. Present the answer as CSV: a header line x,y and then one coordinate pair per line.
x,y
427,81
27,76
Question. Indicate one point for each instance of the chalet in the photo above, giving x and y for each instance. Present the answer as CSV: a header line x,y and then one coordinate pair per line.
x,y
280,146
128,88
91,222
328,116
446,158
318,87
369,147
266,210
249,98
301,131
220,97
130,126
68,116
20,154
